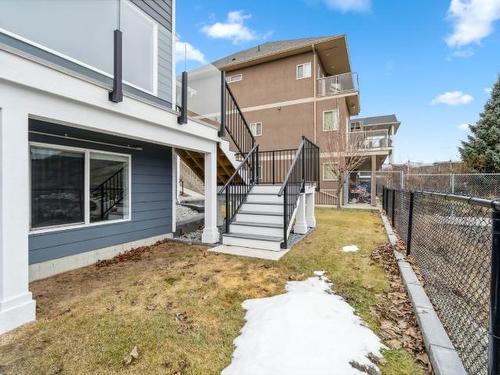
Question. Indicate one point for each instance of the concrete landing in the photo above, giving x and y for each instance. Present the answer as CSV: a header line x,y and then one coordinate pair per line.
x,y
249,252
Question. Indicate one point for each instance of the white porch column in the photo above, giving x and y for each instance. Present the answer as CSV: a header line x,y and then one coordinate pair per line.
x,y
310,218
373,188
16,304
300,219
210,232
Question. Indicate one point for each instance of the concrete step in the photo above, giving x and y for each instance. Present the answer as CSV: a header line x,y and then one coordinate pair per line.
x,y
256,229
272,243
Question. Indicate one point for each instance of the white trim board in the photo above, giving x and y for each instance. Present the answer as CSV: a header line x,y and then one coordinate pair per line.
x,y
52,267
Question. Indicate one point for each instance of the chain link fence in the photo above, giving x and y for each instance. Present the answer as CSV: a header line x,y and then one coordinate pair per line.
x,y
451,239
484,185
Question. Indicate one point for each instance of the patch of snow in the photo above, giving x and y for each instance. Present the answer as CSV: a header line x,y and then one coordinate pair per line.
x,y
307,331
183,213
350,249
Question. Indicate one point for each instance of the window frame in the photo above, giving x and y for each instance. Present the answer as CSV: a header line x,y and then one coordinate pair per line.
x,y
261,129
333,110
323,165
86,223
303,70
232,79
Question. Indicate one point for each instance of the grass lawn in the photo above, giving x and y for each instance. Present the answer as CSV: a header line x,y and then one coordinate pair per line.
x,y
180,305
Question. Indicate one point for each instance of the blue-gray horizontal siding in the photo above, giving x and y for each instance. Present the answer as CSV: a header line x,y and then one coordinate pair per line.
x,y
151,197
165,64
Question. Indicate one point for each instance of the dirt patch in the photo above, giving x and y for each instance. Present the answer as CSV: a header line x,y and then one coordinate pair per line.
x,y
398,322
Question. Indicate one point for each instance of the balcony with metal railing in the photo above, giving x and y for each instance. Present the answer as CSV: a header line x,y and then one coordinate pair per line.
x,y
369,140
337,85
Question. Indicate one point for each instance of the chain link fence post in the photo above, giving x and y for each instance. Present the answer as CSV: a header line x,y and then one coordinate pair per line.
x,y
410,223
494,334
393,207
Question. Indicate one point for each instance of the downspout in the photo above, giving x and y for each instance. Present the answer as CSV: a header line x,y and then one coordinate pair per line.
x,y
314,95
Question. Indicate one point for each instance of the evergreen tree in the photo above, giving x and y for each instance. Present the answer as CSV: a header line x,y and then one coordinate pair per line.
x,y
481,151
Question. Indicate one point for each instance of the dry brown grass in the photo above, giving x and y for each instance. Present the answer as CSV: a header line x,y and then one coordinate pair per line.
x,y
180,305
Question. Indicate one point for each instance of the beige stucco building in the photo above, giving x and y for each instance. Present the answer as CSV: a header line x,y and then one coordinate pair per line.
x,y
306,87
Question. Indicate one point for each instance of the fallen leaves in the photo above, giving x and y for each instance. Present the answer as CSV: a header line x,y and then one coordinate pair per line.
x,y
398,323
185,324
133,255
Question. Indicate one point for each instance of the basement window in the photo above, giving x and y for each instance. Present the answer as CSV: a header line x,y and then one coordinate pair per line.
x,y
256,129
73,187
303,70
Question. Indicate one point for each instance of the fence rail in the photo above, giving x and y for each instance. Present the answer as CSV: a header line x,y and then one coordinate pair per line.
x,y
485,185
454,243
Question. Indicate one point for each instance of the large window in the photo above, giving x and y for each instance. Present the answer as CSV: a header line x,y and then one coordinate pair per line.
x,y
71,186
331,120
57,187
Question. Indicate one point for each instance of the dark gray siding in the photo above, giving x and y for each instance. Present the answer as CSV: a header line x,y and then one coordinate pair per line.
x,y
159,10
151,197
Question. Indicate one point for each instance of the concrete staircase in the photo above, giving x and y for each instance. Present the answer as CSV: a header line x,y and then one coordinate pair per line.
x,y
258,223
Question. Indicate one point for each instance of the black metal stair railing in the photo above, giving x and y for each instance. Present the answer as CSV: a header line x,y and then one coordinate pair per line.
x,y
273,165
239,185
110,193
304,169
233,122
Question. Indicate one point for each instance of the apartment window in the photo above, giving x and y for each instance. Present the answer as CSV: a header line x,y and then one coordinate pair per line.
x,y
77,187
304,70
328,172
256,128
331,120
235,78
356,126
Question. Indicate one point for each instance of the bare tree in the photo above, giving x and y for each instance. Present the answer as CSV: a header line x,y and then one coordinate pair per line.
x,y
344,153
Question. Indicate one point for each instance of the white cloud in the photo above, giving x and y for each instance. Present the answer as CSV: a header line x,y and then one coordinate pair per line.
x,y
463,127
472,20
453,98
488,90
349,5
233,28
185,51
463,53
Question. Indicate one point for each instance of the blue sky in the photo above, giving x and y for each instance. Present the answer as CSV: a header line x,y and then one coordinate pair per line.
x,y
430,62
